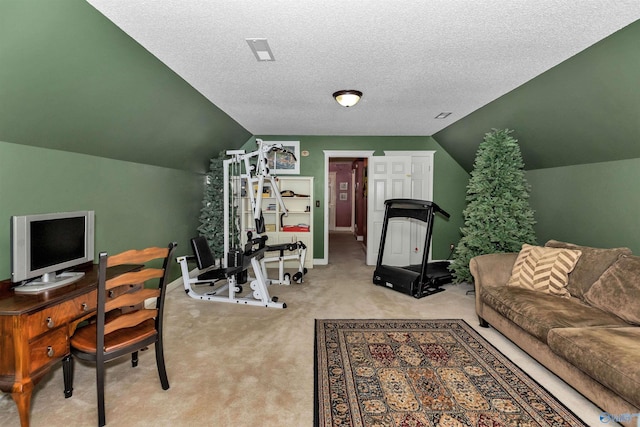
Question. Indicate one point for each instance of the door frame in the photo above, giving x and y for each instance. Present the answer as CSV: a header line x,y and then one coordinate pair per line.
x,y
330,154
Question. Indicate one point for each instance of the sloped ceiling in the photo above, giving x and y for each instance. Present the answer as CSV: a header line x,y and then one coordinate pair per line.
x,y
176,82
71,80
585,110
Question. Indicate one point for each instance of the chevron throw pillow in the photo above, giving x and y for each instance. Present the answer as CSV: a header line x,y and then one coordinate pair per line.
x,y
544,269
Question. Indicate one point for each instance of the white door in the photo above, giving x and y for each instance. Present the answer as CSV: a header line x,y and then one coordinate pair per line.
x,y
389,177
421,189
332,201
353,202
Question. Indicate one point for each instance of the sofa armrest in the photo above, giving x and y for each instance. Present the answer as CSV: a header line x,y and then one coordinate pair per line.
x,y
490,270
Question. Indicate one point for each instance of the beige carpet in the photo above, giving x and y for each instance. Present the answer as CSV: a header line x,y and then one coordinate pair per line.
x,y
236,365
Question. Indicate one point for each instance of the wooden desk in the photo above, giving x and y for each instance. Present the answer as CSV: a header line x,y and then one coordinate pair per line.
x,y
35,331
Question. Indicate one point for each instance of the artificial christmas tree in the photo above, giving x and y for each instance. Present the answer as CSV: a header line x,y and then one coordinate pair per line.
x,y
212,211
498,217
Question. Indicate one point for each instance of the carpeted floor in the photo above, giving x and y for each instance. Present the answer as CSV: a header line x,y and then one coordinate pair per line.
x,y
242,366
423,373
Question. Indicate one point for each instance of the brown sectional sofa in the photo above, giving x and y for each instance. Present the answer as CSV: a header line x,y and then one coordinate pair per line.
x,y
591,339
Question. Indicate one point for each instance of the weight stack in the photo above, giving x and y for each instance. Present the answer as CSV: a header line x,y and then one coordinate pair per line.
x,y
235,258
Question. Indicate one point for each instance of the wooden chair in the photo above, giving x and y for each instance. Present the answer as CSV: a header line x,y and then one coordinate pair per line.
x,y
123,324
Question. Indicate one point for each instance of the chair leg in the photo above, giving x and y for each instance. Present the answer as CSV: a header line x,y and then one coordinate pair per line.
x,y
162,371
100,385
67,372
134,359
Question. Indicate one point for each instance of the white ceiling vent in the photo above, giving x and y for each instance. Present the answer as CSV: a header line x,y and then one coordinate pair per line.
x,y
261,49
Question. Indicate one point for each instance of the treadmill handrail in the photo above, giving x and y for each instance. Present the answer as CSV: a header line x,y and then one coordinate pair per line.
x,y
415,203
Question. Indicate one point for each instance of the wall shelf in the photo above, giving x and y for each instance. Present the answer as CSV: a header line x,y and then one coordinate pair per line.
x,y
296,226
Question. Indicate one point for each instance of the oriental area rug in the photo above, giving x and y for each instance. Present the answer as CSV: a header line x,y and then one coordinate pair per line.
x,y
423,373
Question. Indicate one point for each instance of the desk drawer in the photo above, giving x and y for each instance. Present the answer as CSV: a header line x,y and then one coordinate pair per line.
x,y
49,348
53,317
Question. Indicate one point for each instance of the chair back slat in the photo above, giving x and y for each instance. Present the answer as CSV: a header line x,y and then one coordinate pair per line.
x,y
137,256
128,307
131,299
135,277
129,320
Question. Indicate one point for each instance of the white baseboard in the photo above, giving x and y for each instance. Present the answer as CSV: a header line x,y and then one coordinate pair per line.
x,y
178,283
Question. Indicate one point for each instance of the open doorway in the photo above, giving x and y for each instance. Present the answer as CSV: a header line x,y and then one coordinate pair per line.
x,y
344,189
345,196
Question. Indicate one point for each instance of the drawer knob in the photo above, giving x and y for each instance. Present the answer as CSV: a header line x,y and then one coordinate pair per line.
x,y
50,323
85,306
50,351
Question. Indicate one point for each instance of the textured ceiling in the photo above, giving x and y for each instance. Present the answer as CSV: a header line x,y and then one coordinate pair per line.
x,y
412,59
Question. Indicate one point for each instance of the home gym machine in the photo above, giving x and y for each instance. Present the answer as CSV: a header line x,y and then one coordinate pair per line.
x,y
417,280
229,273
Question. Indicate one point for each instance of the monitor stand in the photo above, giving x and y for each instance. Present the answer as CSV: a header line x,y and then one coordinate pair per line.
x,y
48,281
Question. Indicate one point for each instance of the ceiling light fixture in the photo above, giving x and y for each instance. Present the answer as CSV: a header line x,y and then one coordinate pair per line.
x,y
261,49
347,98
443,115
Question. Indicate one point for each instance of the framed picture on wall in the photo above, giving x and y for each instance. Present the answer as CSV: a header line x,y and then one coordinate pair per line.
x,y
344,186
287,161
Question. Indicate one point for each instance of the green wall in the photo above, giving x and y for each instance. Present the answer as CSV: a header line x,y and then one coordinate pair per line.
x,y
578,126
72,80
89,119
449,188
595,204
584,110
136,205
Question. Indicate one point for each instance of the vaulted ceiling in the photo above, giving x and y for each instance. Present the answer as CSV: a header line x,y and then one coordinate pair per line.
x,y
172,83
585,110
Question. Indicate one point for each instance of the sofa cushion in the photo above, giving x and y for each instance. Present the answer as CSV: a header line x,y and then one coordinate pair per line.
x,y
544,269
592,263
618,289
538,313
609,355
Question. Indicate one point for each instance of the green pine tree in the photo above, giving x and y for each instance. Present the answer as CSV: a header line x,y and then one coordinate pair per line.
x,y
212,211
498,217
